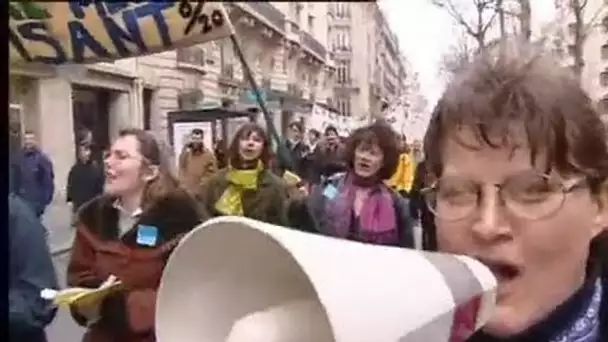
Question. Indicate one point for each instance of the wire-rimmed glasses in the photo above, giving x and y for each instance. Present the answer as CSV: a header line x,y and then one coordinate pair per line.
x,y
528,195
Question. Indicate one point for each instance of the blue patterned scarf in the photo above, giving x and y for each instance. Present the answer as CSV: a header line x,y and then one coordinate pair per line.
x,y
586,328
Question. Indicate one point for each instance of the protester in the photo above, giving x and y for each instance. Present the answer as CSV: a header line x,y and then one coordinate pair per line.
x,y
196,162
520,153
31,270
419,210
247,187
417,152
314,137
296,186
34,175
357,205
401,181
129,232
220,153
327,159
85,179
298,149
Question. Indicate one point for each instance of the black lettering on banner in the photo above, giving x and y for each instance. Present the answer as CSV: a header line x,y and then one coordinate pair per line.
x,y
196,16
37,31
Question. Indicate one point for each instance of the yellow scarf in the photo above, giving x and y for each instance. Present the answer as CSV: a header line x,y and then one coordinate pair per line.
x,y
231,202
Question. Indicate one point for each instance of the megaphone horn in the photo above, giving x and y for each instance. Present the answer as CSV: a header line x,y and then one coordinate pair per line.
x,y
236,279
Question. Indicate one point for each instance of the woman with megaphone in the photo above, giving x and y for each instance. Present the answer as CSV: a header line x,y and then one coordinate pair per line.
x,y
519,153
128,232
247,187
357,205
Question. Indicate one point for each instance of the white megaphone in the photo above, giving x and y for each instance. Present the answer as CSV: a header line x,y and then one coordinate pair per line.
x,y
238,280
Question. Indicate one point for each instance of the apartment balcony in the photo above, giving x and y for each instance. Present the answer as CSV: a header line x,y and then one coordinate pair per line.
x,y
312,44
342,52
259,13
191,59
338,20
227,76
346,85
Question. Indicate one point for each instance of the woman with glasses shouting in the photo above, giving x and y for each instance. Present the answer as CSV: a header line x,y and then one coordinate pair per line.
x,y
519,154
128,232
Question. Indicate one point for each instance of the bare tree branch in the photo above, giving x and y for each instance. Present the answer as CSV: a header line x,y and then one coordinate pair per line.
x,y
477,27
457,56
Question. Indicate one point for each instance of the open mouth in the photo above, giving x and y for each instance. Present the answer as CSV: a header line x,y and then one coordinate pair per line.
x,y
110,176
503,271
363,165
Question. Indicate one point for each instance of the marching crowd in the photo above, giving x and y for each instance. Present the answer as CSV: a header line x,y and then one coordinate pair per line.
x,y
513,173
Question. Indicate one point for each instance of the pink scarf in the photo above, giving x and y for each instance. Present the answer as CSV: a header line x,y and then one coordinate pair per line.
x,y
377,219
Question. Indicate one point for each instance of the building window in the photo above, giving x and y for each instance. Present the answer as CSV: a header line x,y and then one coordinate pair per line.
x,y
341,39
284,62
604,52
605,24
343,106
342,10
311,23
299,14
343,72
604,78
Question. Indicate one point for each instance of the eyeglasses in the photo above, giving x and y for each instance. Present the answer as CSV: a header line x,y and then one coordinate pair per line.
x,y
118,155
528,195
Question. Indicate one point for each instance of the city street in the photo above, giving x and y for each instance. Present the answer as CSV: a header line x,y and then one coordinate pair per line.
x,y
57,220
63,328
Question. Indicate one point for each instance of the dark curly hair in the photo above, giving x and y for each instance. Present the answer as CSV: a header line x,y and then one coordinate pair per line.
x,y
378,134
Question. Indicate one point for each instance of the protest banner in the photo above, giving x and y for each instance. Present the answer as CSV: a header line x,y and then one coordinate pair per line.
x,y
88,31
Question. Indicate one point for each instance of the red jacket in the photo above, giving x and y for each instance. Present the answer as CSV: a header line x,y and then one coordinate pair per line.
x,y
98,252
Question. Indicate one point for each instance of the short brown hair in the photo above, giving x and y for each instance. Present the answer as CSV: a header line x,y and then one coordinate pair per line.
x,y
244,131
165,184
379,134
515,83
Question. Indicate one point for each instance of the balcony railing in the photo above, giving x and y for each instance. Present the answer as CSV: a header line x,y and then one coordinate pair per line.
x,y
270,13
313,44
191,55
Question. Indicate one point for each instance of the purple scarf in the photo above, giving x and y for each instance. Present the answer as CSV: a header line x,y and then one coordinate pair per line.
x,y
377,219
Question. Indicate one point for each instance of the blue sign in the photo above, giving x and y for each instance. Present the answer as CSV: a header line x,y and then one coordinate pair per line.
x,y
251,95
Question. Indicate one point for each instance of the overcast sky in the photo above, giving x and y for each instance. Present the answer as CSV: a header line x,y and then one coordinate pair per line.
x,y
425,32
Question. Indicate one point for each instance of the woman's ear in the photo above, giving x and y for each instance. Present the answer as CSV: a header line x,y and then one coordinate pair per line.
x,y
601,220
151,173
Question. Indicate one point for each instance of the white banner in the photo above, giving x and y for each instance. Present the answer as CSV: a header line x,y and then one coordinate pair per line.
x,y
87,31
